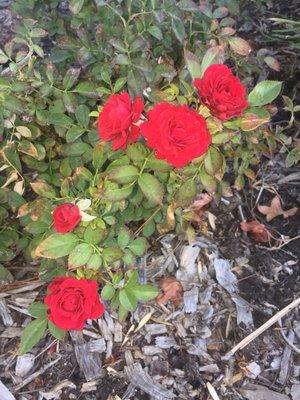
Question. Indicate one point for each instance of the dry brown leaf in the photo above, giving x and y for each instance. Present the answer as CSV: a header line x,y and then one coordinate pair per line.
x,y
258,231
275,209
199,206
172,291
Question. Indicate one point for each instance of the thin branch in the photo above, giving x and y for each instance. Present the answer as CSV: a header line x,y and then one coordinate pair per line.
x,y
248,339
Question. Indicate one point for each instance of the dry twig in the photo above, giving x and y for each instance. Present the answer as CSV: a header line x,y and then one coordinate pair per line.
x,y
248,339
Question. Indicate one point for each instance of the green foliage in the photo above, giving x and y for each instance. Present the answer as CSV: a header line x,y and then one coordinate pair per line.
x,y
55,75
32,334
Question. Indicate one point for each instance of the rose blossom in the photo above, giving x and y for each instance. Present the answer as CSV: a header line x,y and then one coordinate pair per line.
x,y
176,133
72,301
221,92
117,121
66,217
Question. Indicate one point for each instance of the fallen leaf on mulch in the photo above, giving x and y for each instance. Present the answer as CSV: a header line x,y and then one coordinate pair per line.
x,y
275,209
258,231
199,206
172,291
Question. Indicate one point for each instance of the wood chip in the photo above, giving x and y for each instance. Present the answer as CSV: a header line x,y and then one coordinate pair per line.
x,y
5,314
155,329
24,364
285,360
89,362
166,342
98,345
258,392
11,332
295,391
151,350
190,300
141,379
5,394
56,391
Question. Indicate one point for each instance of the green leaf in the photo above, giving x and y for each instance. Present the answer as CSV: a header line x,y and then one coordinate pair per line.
x,y
80,255
221,138
156,32
264,93
127,299
37,309
55,331
137,152
108,292
178,29
95,262
193,64
144,292
120,82
76,6
151,188
139,246
57,245
188,5
128,257
32,334
99,156
122,59
86,89
74,133
5,275
11,156
186,193
212,56
122,313
124,174
208,181
117,194
70,78
112,254
213,161
118,45
123,237
42,188
158,165
82,115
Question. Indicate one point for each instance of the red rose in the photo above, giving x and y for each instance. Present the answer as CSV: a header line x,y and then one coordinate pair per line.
x,y
222,92
72,301
117,121
176,133
66,217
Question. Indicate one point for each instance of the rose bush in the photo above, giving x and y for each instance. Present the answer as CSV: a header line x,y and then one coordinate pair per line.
x,y
113,141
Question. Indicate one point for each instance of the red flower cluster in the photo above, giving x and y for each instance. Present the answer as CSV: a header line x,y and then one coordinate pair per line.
x,y
72,301
66,217
222,92
176,133
117,121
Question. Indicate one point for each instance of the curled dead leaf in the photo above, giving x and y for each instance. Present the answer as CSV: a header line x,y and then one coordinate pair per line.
x,y
172,291
275,209
258,231
198,207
